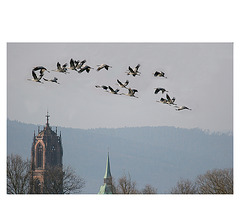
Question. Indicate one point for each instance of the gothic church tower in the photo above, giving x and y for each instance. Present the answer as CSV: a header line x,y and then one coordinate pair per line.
x,y
46,153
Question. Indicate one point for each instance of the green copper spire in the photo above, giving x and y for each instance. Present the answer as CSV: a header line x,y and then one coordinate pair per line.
x,y
107,187
107,172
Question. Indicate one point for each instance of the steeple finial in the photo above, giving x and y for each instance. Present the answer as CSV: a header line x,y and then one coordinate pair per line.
x,y
47,116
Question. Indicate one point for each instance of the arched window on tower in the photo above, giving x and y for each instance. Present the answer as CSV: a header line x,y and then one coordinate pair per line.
x,y
53,156
39,155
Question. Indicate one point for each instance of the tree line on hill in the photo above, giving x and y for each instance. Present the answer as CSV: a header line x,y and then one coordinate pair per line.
x,y
216,181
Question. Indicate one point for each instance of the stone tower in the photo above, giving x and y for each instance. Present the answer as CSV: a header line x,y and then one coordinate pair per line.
x,y
46,154
107,187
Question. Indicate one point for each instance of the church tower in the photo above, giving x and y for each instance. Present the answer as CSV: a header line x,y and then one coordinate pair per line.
x,y
107,187
46,154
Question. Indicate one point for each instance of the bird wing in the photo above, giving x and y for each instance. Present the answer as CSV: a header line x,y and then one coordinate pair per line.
x,y
81,63
99,68
130,91
162,73
84,68
168,98
41,75
58,66
131,70
71,63
136,68
34,75
76,62
134,90
64,66
81,70
42,72
88,69
111,89
104,87
157,90
38,68
156,73
126,83
119,82
106,66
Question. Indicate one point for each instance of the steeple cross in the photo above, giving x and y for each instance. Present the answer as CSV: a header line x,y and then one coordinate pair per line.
x,y
47,116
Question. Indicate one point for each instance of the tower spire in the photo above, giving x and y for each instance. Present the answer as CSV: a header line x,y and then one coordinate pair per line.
x,y
107,172
47,116
107,187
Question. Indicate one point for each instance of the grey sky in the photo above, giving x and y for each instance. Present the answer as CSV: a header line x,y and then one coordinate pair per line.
x,y
200,76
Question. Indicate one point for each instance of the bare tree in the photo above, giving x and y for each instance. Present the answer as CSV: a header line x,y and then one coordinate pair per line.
x,y
148,189
72,183
60,180
18,175
184,186
217,181
126,185
57,180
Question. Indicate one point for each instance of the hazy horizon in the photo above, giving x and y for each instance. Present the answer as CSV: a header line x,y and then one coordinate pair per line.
x,y
168,126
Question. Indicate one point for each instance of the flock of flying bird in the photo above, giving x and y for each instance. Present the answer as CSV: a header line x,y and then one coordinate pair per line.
x,y
80,66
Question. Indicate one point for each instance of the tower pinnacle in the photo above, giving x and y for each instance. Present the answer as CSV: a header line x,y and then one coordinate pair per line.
x,y
47,116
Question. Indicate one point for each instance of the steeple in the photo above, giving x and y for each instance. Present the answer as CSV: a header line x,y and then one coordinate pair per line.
x,y
107,187
107,172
